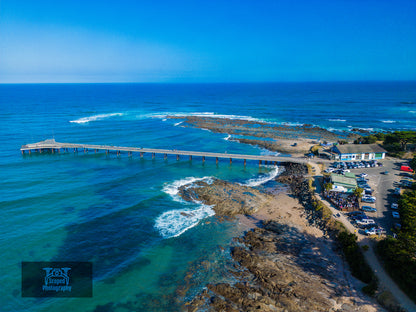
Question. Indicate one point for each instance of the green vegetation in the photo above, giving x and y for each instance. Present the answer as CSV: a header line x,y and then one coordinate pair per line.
x,y
396,143
355,258
358,192
328,186
353,254
413,163
399,254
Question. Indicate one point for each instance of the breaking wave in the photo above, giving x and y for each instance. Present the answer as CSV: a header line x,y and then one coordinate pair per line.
x,y
95,118
263,178
173,223
339,120
388,121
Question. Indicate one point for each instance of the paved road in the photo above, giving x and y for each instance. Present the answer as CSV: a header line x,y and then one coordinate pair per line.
x,y
382,185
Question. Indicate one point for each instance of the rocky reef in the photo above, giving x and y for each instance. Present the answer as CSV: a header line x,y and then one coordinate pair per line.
x,y
228,199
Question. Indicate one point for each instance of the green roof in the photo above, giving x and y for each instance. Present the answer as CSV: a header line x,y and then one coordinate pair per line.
x,y
346,180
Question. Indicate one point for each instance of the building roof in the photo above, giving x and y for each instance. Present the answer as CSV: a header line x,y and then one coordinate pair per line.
x,y
360,148
345,181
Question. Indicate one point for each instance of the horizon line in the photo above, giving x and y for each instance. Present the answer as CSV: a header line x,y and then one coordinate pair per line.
x,y
214,82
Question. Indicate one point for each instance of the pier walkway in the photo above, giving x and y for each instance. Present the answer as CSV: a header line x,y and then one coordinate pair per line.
x,y
56,147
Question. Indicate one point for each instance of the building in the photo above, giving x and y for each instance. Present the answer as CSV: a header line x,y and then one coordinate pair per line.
x,y
343,183
359,151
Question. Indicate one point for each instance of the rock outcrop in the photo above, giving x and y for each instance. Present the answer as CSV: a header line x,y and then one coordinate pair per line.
x,y
228,199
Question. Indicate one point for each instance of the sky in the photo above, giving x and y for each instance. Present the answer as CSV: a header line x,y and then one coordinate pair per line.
x,y
206,41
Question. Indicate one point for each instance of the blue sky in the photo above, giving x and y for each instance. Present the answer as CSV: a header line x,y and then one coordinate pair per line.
x,y
207,41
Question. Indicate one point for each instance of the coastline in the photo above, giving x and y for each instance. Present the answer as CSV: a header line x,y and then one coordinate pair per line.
x,y
280,261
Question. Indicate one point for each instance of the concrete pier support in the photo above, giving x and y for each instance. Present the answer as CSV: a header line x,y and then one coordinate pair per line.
x,y
245,162
165,156
203,159
231,161
129,153
216,160
141,154
259,163
153,155
177,157
190,157
106,152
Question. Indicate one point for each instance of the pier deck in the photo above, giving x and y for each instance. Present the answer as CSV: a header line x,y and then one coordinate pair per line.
x,y
53,146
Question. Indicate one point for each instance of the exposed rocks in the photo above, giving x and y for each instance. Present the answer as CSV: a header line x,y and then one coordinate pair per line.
x,y
258,128
228,198
281,270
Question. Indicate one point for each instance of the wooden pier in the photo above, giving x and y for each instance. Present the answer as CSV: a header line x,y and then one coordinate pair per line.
x,y
55,147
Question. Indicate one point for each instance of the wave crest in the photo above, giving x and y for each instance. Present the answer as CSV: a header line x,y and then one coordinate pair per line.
x,y
95,117
263,178
173,223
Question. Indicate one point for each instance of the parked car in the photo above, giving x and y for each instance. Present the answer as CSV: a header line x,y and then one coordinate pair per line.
x,y
329,170
363,175
395,215
368,209
394,206
365,221
368,200
397,191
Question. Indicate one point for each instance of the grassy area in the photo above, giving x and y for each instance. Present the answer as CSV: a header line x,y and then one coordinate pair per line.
x,y
399,253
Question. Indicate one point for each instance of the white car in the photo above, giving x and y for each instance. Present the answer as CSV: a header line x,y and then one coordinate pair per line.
x,y
363,175
395,215
394,206
365,221
329,170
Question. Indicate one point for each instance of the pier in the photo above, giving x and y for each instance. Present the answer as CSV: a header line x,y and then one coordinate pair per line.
x,y
52,146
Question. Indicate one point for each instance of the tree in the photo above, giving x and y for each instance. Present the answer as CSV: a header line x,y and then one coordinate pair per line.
x,y
413,163
358,192
328,186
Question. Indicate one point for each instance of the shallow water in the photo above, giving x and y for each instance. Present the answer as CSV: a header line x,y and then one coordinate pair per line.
x,y
122,213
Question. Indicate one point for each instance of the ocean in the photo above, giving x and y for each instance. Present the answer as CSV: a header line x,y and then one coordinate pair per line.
x,y
150,250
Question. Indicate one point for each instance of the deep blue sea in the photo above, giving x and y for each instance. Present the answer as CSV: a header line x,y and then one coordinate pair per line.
x,y
123,214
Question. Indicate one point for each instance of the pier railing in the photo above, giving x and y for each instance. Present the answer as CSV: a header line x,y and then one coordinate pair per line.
x,y
55,147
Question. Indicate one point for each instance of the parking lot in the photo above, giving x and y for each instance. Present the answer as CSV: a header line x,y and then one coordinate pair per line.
x,y
383,185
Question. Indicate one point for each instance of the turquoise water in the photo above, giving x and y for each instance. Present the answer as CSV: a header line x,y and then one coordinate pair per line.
x,y
122,213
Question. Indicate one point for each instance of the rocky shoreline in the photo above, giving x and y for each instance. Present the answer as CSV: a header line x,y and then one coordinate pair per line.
x,y
287,263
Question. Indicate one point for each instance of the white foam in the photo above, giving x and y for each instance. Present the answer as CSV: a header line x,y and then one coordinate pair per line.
x,y
263,178
292,124
178,123
173,223
173,188
412,112
228,137
336,119
388,121
366,129
202,114
95,117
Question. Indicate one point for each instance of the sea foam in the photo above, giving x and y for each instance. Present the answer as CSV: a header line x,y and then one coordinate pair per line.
x,y
337,119
173,188
173,223
388,121
263,178
95,118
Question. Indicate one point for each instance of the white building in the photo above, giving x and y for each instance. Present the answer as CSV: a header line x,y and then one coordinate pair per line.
x,y
359,151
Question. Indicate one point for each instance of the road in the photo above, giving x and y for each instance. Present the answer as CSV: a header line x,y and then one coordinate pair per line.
x,y
383,185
